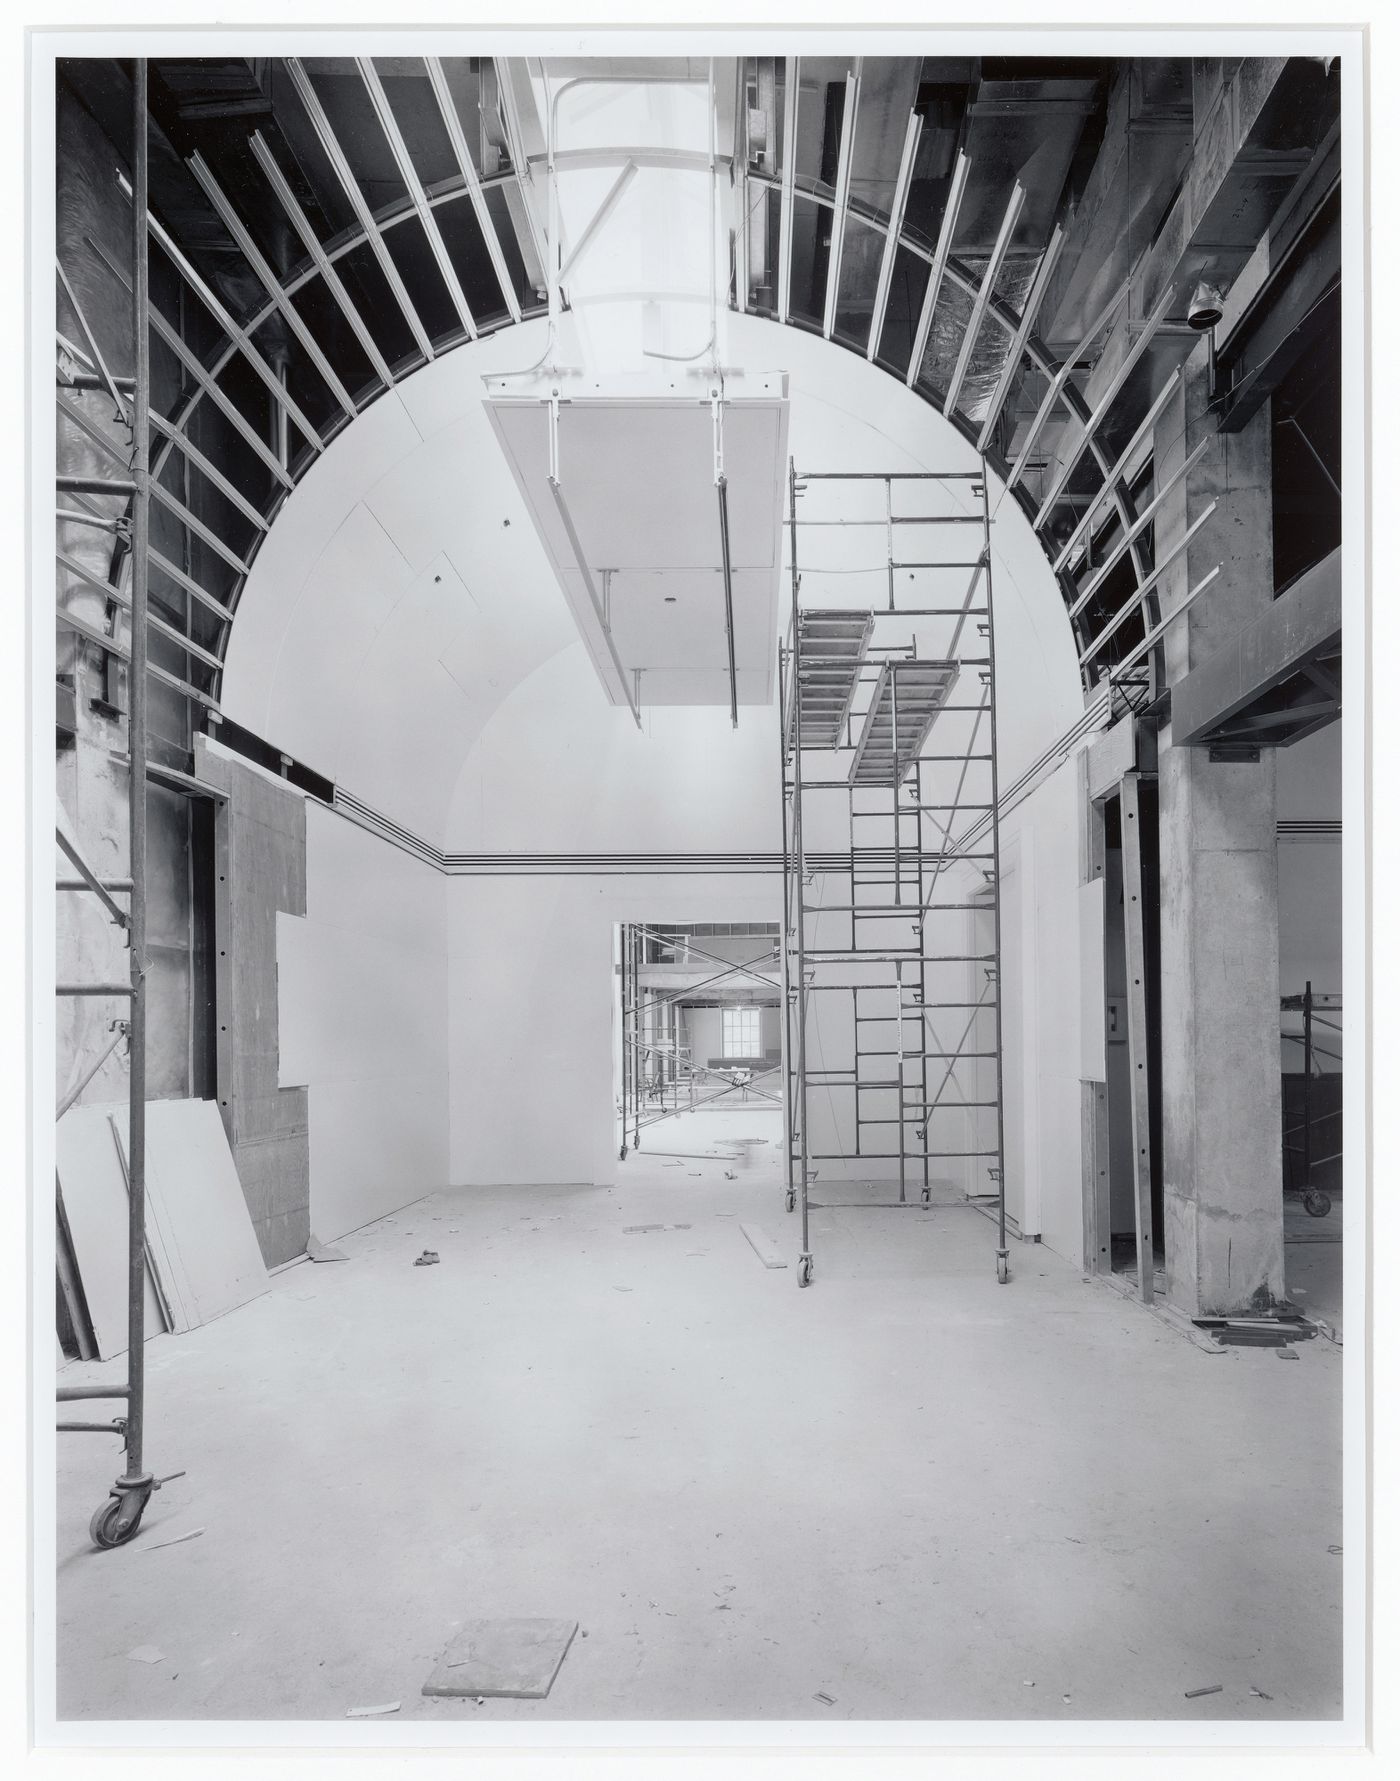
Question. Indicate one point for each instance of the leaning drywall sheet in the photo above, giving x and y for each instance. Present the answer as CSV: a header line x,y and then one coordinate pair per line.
x,y
198,1206
95,1203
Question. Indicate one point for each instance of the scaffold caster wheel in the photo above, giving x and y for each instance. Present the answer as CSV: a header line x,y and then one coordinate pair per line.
x,y
622,1154
1003,1271
791,1199
106,1526
924,1196
804,1271
1317,1203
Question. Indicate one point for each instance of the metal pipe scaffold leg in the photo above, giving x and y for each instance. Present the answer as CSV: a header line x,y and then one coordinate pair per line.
x,y
804,1265
790,1193
1003,1254
118,1518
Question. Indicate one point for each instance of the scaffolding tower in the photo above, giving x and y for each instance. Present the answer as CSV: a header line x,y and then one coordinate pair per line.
x,y
891,951
117,1519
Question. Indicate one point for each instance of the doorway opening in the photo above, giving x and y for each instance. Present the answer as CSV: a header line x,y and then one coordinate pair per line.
x,y
697,1055
1132,1206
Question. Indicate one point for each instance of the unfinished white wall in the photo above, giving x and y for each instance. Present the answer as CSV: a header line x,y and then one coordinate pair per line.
x,y
401,633
362,1002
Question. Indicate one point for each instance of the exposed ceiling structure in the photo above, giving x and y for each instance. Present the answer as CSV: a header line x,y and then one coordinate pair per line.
x,y
1016,242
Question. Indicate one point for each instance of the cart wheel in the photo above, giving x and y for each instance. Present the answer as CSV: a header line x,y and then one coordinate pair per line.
x,y
792,1199
103,1526
1317,1203
1003,1271
804,1271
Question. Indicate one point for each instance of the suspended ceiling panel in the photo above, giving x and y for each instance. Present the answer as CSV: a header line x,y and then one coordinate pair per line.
x,y
636,480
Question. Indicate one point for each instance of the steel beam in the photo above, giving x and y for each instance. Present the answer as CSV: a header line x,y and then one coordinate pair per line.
x,y
1125,457
893,231
841,199
1024,330
1104,403
297,217
206,383
984,295
437,79
239,337
939,265
210,470
269,280
1144,587
793,73
408,173
1135,531
105,377
321,124
1060,378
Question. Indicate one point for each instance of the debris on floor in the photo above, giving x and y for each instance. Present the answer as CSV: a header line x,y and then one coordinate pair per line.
x,y
324,1252
372,1712
174,1540
821,1695
1259,1694
1194,1694
510,1659
146,1654
1257,1332
763,1246
636,1230
426,1260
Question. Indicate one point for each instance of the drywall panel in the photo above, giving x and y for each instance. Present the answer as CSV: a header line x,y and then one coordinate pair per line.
x,y
362,1018
260,869
365,572
1050,970
199,1234
198,1208
97,1208
256,690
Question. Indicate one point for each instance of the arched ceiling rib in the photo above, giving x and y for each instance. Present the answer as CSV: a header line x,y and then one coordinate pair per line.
x,y
323,226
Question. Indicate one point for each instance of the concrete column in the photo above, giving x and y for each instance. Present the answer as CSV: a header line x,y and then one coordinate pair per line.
x,y
1221,1117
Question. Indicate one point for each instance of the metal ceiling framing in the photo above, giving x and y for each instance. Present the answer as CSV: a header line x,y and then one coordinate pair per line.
x,y
1025,350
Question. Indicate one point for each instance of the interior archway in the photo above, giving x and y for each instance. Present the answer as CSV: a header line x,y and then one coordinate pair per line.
x,y
402,633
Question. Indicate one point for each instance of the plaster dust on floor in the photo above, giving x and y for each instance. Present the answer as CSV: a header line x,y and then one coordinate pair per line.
x,y
903,1493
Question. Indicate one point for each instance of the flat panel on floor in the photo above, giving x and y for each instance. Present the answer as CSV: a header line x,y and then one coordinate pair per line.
x,y
514,1659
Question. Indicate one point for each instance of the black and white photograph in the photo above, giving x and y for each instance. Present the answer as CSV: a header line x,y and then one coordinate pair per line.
x,y
702,906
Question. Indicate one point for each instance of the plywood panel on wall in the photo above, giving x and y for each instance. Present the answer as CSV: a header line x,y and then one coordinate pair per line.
x,y
260,869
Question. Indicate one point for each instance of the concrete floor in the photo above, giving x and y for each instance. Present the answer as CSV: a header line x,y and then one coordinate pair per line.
x,y
908,1488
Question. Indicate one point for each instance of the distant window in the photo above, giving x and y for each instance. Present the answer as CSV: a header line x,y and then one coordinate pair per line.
x,y
741,1032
